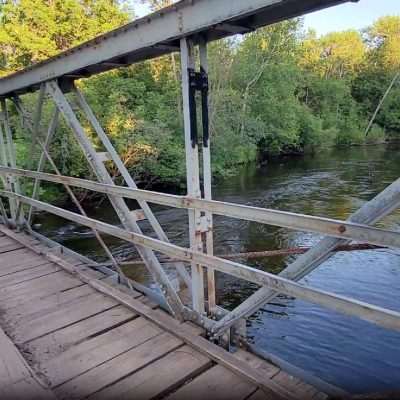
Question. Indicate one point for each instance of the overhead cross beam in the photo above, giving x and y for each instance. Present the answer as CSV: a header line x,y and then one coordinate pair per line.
x,y
158,34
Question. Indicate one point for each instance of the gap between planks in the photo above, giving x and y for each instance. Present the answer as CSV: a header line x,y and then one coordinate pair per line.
x,y
166,322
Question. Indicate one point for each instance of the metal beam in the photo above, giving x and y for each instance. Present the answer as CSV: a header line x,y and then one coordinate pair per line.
x,y
8,142
6,179
330,227
207,178
42,161
117,202
83,104
387,318
192,169
383,204
138,40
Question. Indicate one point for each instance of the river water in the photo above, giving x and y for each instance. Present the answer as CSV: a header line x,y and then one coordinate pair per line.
x,y
347,352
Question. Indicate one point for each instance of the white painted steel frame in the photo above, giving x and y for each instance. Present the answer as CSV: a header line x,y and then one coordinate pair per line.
x,y
192,175
371,212
207,178
348,230
9,154
118,203
83,104
387,318
157,34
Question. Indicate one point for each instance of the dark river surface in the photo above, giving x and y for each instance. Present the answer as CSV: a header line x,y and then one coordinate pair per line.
x,y
344,351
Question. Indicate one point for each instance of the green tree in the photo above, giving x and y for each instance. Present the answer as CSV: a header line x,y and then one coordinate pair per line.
x,y
33,30
384,40
335,55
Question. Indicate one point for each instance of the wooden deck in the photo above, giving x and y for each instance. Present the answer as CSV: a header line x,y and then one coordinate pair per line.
x,y
69,332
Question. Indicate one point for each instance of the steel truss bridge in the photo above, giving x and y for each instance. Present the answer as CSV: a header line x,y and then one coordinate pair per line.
x,y
183,27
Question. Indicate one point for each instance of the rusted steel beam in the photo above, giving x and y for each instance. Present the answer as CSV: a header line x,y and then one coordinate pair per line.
x,y
268,253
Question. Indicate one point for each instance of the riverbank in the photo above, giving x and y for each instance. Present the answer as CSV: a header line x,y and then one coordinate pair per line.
x,y
55,194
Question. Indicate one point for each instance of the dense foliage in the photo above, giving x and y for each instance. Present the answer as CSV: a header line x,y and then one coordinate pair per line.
x,y
277,90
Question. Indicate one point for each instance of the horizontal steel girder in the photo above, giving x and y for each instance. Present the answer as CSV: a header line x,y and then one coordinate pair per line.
x,y
158,34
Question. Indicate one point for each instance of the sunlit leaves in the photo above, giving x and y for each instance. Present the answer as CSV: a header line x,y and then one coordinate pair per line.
x,y
33,30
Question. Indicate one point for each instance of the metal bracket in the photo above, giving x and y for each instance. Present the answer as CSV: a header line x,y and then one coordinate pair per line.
x,y
204,224
139,215
198,81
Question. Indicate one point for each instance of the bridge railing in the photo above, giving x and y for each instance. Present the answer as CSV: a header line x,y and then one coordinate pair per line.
x,y
270,285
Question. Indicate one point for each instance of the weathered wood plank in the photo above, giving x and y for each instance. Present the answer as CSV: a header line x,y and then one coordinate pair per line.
x,y
269,370
26,389
38,288
5,241
46,304
5,248
185,333
19,260
28,275
119,367
63,316
89,354
16,255
12,365
259,395
217,383
171,371
51,345
86,349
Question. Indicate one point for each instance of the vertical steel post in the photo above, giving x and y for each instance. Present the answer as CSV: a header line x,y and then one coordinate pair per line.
x,y
7,179
36,123
50,133
9,148
192,169
207,176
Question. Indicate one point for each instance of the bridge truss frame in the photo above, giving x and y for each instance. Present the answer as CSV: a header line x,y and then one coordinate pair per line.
x,y
191,296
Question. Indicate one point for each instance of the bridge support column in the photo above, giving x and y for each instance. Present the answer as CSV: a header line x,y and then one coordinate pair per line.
x,y
200,223
8,158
